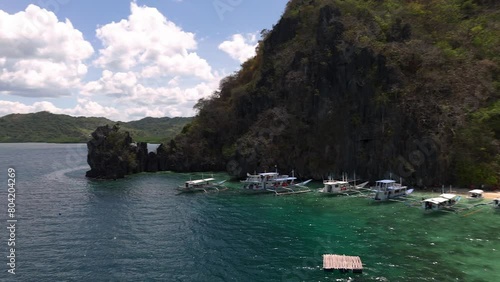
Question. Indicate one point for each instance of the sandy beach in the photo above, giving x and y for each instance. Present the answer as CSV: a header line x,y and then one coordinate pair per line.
x,y
465,192
491,195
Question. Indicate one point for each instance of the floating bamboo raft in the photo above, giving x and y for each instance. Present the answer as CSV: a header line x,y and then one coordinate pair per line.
x,y
342,263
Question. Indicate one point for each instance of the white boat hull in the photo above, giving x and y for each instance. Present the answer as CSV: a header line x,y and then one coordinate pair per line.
x,y
387,195
387,189
335,188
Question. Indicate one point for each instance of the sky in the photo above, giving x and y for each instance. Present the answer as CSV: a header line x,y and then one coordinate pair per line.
x,y
124,59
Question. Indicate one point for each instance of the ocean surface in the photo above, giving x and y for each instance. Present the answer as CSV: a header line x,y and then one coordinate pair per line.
x,y
71,228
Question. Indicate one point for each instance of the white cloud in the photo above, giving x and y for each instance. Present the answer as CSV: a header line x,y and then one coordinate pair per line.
x,y
149,67
40,56
149,42
239,47
174,82
90,108
8,107
84,107
111,84
141,112
168,93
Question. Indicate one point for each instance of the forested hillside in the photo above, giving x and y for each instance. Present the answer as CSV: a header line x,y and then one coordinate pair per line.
x,y
52,128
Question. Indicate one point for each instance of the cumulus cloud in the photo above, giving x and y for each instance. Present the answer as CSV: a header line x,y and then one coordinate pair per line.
x,y
149,42
240,48
8,107
130,93
112,84
84,107
149,66
40,56
141,112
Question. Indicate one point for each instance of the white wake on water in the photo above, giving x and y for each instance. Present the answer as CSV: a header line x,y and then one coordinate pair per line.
x,y
60,175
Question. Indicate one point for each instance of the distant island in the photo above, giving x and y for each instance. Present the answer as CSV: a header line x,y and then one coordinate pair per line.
x,y
56,128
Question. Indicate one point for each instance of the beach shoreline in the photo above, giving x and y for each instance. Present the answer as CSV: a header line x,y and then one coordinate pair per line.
x,y
490,195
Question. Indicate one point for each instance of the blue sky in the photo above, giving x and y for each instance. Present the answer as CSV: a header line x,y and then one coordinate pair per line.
x,y
123,59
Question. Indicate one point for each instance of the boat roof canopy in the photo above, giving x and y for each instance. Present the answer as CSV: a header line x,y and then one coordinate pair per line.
x,y
386,181
331,182
198,181
285,178
437,201
447,196
268,173
476,191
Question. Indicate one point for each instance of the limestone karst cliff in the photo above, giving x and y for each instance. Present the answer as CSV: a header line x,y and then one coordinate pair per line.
x,y
408,88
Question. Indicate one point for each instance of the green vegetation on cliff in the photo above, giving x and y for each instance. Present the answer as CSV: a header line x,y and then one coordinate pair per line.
x,y
52,128
373,86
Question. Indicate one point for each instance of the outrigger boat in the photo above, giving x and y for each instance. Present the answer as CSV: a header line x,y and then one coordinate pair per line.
x,y
475,195
264,181
340,187
444,201
201,185
272,182
388,189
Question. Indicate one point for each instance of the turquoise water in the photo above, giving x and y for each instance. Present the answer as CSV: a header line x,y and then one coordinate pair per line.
x,y
138,229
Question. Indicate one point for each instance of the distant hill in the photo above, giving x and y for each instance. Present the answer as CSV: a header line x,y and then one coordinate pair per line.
x,y
53,128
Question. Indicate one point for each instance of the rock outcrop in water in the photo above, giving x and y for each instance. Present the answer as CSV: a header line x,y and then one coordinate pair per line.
x,y
109,154
112,155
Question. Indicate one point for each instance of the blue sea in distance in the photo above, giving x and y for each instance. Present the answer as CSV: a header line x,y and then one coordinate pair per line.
x,y
138,229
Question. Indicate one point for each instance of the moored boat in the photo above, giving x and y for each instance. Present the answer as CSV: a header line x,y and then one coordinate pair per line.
x,y
388,189
271,182
337,187
475,195
443,201
200,185
263,181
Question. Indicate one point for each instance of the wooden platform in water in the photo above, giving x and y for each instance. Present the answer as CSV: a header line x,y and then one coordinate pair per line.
x,y
342,263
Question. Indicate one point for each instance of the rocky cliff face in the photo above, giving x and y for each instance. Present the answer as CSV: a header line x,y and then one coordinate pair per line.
x,y
378,88
107,158
353,86
327,111
112,155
